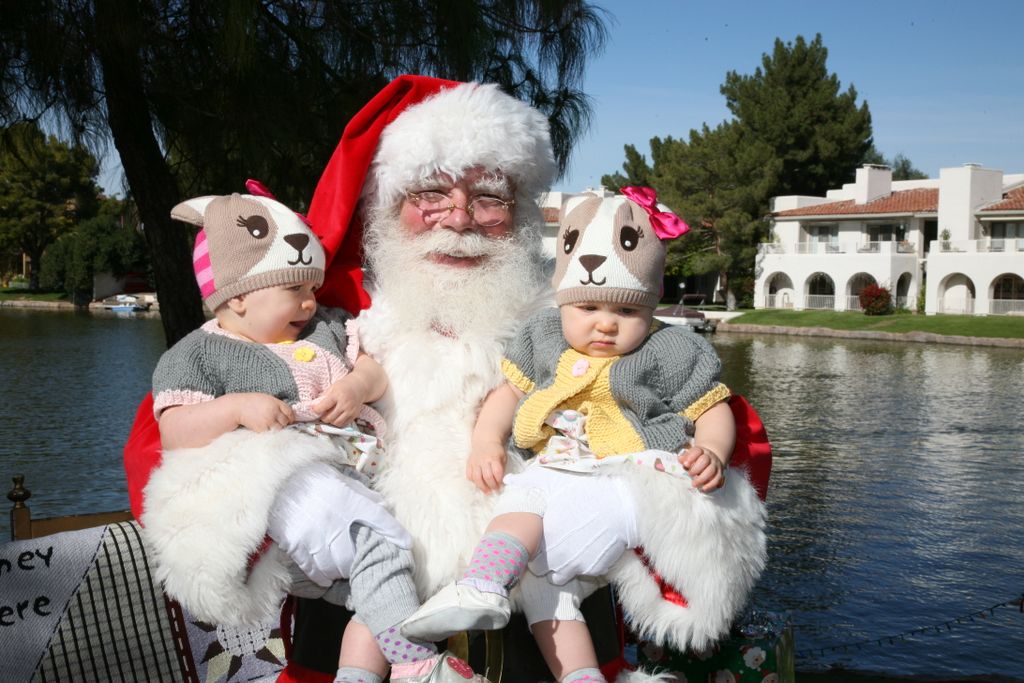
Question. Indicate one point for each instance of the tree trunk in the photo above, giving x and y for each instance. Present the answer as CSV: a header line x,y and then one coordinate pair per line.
x,y
148,174
34,258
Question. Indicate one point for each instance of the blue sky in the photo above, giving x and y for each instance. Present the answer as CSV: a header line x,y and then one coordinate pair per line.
x,y
944,79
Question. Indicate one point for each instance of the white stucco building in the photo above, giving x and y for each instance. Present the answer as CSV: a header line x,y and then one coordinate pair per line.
x,y
959,236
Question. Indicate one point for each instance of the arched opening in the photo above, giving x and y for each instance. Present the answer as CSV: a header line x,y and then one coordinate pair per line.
x,y
1007,295
956,295
821,292
903,295
780,292
856,285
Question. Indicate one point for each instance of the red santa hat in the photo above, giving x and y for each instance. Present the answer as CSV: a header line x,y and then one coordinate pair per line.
x,y
413,129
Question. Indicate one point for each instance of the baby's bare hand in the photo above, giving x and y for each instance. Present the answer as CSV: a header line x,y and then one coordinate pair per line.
x,y
704,467
486,466
340,404
263,412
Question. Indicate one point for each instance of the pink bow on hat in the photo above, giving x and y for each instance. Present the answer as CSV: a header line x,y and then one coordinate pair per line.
x,y
666,224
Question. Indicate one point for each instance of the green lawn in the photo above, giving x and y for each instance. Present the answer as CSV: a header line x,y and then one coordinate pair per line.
x,y
30,295
968,325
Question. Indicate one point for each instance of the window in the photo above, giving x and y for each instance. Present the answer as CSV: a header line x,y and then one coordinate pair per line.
x,y
1007,230
1008,287
823,237
1000,232
887,232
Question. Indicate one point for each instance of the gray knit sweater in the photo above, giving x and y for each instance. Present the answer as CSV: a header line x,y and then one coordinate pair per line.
x,y
649,397
209,362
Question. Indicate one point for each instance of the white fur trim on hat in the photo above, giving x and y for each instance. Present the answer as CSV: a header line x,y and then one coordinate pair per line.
x,y
457,129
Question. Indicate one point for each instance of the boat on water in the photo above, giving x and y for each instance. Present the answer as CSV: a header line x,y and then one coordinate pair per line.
x,y
682,315
125,303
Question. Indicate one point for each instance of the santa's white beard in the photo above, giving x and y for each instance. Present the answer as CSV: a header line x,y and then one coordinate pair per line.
x,y
429,295
439,332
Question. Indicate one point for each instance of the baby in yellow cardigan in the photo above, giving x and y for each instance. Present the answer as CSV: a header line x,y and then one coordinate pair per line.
x,y
591,388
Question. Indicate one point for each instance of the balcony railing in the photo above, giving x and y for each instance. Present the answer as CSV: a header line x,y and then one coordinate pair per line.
x,y
818,248
822,302
1006,306
964,306
853,302
830,248
1001,244
986,245
778,301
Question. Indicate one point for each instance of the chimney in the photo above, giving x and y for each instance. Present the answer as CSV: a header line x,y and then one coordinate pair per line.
x,y
873,181
962,191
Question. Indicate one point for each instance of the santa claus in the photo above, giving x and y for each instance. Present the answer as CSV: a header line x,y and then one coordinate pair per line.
x,y
436,183
440,180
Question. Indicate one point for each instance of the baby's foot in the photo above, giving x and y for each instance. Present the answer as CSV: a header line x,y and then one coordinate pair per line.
x,y
456,608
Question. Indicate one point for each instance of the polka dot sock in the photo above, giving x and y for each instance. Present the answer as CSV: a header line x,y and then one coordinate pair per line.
x,y
497,563
351,674
398,649
588,675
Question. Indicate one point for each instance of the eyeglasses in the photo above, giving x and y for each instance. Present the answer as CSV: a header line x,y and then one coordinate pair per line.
x,y
485,211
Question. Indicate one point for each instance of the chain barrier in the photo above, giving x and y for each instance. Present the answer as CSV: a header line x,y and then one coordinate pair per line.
x,y
937,628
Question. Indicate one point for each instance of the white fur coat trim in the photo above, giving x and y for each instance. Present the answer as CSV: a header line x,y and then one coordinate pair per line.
x,y
645,677
436,385
709,547
206,512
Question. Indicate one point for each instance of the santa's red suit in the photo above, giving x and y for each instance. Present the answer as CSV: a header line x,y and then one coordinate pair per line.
x,y
439,369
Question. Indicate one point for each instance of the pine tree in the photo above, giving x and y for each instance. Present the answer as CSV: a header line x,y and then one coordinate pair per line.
x,y
793,132
719,182
794,105
637,172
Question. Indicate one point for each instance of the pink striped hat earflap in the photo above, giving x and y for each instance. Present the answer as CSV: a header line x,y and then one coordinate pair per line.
x,y
202,266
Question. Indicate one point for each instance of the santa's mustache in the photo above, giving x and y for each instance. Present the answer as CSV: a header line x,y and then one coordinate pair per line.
x,y
464,245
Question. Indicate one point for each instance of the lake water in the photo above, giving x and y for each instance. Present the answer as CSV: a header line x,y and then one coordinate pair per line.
x,y
896,501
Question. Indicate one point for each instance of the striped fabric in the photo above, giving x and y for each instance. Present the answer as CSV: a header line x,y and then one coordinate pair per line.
x,y
203,266
117,625
82,606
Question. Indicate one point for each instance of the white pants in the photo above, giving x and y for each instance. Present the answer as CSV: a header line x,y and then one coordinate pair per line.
x,y
589,521
545,601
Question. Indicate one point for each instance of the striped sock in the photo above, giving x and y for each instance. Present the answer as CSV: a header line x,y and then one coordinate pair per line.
x,y
497,563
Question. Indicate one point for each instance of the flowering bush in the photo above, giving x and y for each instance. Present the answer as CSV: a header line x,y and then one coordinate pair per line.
x,y
876,300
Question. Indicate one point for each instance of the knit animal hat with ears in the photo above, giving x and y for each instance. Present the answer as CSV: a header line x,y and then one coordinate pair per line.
x,y
249,242
612,249
414,129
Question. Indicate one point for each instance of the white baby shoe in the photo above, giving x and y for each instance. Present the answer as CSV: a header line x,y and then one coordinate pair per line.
x,y
456,608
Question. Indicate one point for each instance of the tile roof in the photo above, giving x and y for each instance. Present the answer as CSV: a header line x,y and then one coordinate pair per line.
x,y
1011,201
550,214
905,201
